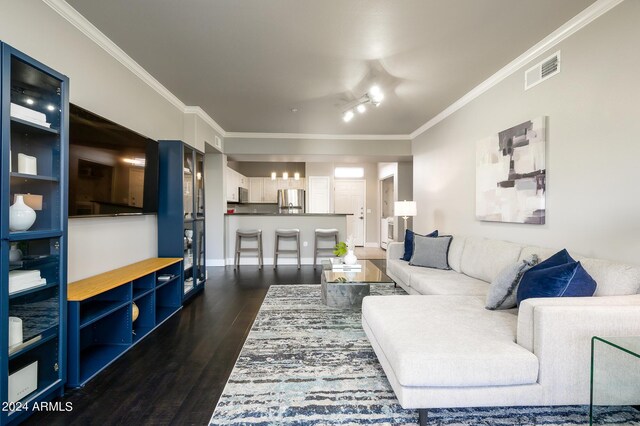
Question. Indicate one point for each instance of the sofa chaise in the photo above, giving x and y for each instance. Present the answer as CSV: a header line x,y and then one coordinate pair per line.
x,y
440,347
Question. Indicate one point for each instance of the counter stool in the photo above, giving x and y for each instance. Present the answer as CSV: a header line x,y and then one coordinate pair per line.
x,y
324,234
286,234
248,234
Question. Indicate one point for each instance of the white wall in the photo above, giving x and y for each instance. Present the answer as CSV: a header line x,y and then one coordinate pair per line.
x,y
215,203
103,85
593,105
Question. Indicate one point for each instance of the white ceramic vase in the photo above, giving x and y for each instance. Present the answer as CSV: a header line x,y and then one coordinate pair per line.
x,y
15,254
350,258
21,216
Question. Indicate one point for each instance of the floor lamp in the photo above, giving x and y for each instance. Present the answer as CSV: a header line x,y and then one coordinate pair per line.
x,y
405,209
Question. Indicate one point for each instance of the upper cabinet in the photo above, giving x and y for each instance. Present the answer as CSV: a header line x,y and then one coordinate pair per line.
x,y
256,190
33,233
234,181
265,189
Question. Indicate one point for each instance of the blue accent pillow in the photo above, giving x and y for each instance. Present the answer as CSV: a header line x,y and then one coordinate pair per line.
x,y
558,276
408,243
560,258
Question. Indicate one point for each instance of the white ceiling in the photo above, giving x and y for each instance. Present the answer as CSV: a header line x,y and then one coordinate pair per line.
x,y
247,63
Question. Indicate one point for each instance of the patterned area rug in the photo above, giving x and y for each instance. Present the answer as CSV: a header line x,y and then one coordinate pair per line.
x,y
306,364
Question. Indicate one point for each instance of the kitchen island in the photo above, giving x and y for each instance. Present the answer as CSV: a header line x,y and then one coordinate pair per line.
x,y
269,222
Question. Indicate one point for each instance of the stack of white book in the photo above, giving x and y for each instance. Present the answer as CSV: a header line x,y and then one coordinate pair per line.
x,y
21,280
28,114
339,265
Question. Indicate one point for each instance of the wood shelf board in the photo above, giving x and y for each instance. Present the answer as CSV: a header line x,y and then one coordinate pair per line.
x,y
92,286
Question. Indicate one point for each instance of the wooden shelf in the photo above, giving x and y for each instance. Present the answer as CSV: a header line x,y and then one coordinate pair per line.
x,y
100,313
92,286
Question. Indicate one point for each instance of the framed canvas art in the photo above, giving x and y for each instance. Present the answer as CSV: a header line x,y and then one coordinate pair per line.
x,y
511,174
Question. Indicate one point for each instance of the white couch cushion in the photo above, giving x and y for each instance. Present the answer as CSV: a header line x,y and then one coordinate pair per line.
x,y
484,259
437,281
448,341
455,252
613,279
400,269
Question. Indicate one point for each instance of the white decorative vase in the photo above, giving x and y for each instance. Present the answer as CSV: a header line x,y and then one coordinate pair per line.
x,y
350,258
15,254
21,216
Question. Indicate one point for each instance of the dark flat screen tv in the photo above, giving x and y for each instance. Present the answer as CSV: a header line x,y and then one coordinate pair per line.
x,y
112,170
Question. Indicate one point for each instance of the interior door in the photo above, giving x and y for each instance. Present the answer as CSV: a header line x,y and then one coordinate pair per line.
x,y
319,194
350,198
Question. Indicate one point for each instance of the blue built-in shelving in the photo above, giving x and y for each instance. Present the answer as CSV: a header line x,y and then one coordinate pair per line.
x,y
181,211
41,131
101,326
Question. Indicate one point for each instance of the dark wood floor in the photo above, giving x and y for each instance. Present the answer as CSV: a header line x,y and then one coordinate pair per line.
x,y
176,374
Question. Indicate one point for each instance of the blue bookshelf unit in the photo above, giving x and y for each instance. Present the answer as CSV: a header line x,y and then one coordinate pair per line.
x,y
102,323
33,256
181,211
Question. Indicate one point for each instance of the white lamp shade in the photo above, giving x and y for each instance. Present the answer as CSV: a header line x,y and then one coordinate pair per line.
x,y
405,208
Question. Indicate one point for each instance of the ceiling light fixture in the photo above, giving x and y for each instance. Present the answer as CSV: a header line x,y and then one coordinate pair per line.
x,y
296,176
273,175
374,97
285,175
51,107
30,101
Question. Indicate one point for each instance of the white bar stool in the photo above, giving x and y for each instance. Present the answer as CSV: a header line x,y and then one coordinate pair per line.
x,y
324,234
286,234
248,234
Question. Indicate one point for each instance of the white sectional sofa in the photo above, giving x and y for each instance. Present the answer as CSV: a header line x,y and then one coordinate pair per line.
x,y
441,348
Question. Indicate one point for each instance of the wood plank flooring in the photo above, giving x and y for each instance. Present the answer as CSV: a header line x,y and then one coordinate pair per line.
x,y
176,374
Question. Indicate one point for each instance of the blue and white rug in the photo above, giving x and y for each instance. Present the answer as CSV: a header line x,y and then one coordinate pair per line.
x,y
306,364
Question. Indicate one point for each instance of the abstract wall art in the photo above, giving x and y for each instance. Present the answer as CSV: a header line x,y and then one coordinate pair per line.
x,y
511,174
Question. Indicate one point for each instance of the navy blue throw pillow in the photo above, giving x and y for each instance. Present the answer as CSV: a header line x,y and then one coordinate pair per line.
x,y
560,258
563,280
408,243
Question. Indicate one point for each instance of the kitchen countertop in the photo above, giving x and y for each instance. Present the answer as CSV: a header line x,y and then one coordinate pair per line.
x,y
285,214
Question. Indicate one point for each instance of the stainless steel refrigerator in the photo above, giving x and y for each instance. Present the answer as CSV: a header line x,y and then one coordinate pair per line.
x,y
291,201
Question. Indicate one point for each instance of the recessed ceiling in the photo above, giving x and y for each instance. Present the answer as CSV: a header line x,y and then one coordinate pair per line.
x,y
248,63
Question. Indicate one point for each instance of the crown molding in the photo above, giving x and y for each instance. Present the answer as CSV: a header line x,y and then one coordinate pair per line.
x,y
251,135
591,13
206,117
98,37
575,24
74,17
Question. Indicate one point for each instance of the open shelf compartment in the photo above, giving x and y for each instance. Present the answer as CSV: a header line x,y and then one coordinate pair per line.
x,y
103,304
146,320
168,300
103,341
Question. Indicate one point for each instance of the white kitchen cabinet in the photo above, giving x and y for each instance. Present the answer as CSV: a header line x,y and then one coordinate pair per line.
x,y
297,184
234,181
269,190
256,185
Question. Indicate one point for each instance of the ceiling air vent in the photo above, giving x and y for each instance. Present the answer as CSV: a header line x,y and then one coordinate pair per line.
x,y
542,71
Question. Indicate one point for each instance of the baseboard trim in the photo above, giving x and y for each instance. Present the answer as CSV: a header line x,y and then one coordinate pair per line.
x,y
372,244
215,262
